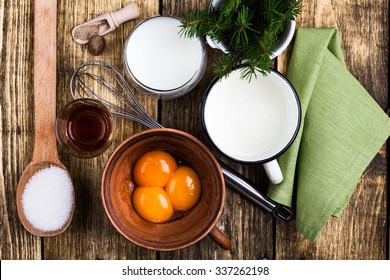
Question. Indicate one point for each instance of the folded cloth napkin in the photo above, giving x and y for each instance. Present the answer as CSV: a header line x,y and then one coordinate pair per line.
x,y
342,129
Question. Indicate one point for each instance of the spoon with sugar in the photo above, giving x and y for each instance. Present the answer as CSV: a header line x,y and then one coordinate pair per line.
x,y
45,194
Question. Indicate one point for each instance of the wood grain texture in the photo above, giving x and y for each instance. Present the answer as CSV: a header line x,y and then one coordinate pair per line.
x,y
250,229
16,113
361,232
91,235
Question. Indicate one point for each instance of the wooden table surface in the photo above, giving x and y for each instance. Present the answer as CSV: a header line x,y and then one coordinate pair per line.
x,y
362,231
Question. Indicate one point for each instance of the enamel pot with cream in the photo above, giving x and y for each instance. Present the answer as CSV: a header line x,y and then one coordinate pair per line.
x,y
252,122
160,62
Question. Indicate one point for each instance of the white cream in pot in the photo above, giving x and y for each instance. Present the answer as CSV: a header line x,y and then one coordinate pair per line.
x,y
159,58
251,121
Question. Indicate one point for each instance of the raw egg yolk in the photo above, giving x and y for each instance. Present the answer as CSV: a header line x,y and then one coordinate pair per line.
x,y
184,188
152,204
154,169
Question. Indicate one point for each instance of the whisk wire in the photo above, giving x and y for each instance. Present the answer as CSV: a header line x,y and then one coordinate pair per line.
x,y
111,83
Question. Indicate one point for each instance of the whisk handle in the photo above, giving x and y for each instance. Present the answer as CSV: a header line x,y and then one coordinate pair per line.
x,y
244,187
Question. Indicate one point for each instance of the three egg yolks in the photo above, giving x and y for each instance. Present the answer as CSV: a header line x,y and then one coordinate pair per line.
x,y
162,187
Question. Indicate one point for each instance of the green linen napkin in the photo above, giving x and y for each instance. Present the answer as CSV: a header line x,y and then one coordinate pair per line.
x,y
342,129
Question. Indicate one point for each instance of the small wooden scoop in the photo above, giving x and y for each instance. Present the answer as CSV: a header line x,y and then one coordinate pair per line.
x,y
45,148
104,24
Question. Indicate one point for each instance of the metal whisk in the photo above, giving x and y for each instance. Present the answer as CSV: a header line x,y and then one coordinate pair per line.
x,y
100,80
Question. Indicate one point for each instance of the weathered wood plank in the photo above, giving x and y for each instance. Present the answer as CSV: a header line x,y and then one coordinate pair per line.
x,y
91,235
250,229
361,231
16,137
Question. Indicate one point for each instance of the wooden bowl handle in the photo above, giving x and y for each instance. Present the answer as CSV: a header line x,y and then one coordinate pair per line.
x,y
220,238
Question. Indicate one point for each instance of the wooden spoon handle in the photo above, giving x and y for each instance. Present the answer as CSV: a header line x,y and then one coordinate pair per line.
x,y
45,30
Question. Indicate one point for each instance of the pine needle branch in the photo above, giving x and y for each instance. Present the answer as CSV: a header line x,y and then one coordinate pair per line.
x,y
250,29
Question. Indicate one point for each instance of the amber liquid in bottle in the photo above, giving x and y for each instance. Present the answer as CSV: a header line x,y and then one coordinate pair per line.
x,y
89,127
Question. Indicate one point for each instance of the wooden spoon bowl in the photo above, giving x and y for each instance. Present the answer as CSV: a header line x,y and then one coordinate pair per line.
x,y
30,170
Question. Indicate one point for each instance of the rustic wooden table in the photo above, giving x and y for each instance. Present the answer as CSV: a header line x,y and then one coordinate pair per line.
x,y
362,231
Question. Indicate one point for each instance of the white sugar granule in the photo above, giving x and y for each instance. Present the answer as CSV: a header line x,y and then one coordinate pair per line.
x,y
48,198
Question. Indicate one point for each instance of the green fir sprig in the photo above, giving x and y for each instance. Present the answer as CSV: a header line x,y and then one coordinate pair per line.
x,y
249,28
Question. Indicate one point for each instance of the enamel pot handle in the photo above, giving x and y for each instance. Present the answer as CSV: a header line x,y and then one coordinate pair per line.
x,y
273,171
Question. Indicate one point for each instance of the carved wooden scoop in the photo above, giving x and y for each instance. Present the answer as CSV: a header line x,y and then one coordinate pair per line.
x,y
104,24
45,148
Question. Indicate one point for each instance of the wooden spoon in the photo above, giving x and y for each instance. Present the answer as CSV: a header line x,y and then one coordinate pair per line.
x,y
45,147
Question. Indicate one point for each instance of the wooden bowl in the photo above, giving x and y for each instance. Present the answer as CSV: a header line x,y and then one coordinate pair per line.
x,y
184,228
